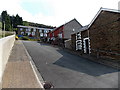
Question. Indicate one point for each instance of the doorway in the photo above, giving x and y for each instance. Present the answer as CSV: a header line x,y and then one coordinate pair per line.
x,y
86,46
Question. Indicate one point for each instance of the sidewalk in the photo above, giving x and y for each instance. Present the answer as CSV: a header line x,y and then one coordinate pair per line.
x,y
18,72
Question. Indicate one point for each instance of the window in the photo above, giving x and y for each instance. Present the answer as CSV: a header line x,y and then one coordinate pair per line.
x,y
34,30
22,33
29,29
33,33
40,30
53,34
29,33
45,35
41,34
60,35
47,31
26,30
21,29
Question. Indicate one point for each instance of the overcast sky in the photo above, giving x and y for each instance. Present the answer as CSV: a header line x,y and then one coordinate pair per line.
x,y
56,12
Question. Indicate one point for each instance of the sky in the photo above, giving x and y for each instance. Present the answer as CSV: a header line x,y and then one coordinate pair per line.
x,y
56,12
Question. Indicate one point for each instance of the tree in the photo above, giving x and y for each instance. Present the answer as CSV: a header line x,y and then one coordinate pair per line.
x,y
3,15
17,21
8,26
6,21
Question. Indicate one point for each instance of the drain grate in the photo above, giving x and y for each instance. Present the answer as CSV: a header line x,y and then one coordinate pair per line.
x,y
48,85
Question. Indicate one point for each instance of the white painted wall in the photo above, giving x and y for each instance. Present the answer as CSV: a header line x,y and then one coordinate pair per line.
x,y
6,45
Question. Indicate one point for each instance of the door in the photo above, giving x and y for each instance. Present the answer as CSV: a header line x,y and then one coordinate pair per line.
x,y
87,46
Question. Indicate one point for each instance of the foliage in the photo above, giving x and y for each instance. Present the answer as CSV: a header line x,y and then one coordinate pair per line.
x,y
0,25
24,38
5,34
28,38
25,23
10,22
16,20
6,21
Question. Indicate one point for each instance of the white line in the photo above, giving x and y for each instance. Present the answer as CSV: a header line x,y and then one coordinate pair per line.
x,y
36,75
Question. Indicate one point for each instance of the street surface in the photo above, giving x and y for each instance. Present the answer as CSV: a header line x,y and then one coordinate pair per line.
x,y
65,70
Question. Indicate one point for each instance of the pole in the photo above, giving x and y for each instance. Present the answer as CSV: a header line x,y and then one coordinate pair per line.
x,y
4,28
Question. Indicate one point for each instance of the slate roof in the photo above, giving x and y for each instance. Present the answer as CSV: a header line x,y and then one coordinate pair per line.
x,y
102,9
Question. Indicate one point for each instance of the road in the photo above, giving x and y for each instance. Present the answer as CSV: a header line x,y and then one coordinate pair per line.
x,y
65,70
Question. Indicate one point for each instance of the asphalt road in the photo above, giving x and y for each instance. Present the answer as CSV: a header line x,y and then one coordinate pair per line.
x,y
65,70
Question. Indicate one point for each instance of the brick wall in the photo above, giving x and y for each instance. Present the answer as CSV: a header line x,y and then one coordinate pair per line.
x,y
105,35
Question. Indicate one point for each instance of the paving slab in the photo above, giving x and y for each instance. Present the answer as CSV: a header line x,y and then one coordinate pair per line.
x,y
18,72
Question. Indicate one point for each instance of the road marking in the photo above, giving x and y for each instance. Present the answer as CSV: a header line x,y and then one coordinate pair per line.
x,y
36,74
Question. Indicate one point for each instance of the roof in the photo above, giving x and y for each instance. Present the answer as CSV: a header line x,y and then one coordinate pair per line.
x,y
20,26
102,9
84,28
67,23
73,20
58,27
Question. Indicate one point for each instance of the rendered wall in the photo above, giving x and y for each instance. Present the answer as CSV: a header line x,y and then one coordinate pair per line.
x,y
6,45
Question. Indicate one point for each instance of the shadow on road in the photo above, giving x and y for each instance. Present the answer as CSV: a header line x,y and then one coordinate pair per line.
x,y
79,64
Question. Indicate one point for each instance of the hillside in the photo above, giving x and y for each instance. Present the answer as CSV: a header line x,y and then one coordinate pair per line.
x,y
26,23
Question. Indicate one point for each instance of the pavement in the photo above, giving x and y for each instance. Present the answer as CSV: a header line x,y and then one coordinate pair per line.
x,y
67,70
19,72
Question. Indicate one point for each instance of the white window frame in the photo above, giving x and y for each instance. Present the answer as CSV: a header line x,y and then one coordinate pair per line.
x,y
85,45
29,29
29,33
33,33
78,47
21,29
22,33
34,29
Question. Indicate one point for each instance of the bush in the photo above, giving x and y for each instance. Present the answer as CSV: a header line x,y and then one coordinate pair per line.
x,y
24,38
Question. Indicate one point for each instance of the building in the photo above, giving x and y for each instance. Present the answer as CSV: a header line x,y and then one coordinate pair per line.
x,y
33,31
101,38
64,31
